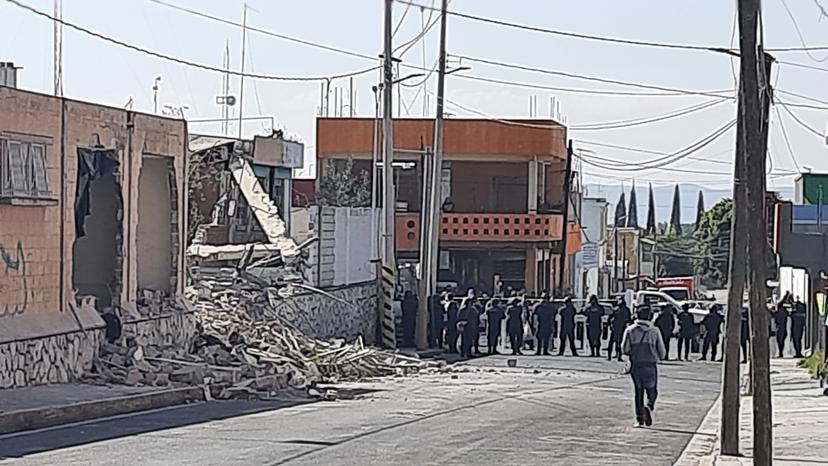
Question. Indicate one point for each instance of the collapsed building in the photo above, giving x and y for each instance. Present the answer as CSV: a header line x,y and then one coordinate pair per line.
x,y
92,223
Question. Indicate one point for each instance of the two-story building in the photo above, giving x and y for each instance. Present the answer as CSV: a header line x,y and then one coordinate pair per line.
x,y
502,195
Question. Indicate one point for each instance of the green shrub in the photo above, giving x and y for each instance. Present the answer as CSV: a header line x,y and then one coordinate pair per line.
x,y
815,363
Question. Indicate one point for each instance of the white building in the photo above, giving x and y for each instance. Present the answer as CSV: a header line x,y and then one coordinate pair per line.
x,y
590,273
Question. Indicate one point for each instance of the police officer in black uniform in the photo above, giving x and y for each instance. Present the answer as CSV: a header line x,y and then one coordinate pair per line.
x,y
545,315
798,317
567,314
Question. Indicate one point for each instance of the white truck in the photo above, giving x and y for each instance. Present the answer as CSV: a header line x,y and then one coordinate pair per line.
x,y
657,300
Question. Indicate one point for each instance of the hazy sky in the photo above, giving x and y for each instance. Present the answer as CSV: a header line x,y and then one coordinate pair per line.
x,y
98,71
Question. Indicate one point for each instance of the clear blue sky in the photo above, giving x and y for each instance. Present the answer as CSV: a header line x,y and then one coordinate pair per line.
x,y
102,72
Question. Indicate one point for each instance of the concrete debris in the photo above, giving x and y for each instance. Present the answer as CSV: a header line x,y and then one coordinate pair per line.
x,y
244,350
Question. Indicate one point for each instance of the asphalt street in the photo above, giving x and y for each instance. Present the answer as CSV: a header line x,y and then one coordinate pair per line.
x,y
547,410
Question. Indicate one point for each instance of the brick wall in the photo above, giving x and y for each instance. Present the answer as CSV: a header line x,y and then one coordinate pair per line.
x,y
36,241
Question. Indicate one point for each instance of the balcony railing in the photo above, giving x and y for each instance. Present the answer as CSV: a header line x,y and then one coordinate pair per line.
x,y
482,227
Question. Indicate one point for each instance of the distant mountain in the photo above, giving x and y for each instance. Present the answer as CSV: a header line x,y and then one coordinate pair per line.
x,y
663,195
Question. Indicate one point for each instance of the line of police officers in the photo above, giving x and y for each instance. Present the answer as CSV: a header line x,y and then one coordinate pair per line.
x,y
455,325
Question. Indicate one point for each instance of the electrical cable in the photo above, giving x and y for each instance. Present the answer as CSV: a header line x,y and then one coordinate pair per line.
x,y
400,22
787,141
588,78
798,120
799,33
706,48
182,61
643,121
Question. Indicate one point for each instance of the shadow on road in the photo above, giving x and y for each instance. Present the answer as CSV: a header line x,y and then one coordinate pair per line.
x,y
21,444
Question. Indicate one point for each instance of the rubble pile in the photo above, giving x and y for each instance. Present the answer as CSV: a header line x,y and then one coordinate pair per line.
x,y
244,350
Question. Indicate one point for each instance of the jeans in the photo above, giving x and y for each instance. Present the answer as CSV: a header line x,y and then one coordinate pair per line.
x,y
645,379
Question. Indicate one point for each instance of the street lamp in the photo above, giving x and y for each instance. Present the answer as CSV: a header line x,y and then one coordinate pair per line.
x,y
155,94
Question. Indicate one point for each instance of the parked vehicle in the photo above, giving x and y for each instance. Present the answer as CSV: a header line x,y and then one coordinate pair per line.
x,y
680,288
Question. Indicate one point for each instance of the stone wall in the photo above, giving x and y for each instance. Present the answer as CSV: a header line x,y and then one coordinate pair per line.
x,y
176,329
322,317
54,359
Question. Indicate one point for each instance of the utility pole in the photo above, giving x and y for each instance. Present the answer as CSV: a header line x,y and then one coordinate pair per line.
x,y
754,95
241,76
388,198
432,177
737,273
567,187
57,66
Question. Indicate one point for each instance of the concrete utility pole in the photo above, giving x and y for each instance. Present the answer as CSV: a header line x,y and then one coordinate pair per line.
x,y
754,96
241,77
388,198
425,290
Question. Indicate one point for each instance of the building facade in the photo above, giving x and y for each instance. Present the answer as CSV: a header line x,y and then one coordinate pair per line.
x,y
502,195
91,217
591,277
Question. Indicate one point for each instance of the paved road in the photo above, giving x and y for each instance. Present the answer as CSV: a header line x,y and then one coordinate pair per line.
x,y
545,411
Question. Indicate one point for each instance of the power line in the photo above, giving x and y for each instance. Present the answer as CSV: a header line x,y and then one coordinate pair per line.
x,y
643,121
576,35
590,78
787,141
799,33
400,22
507,82
798,120
182,61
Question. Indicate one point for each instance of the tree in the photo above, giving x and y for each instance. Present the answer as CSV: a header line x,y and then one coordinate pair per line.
x,y
675,215
713,237
651,220
621,212
632,215
699,209
342,186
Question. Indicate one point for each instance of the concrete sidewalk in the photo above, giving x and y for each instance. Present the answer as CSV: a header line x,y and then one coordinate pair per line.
x,y
800,421
50,405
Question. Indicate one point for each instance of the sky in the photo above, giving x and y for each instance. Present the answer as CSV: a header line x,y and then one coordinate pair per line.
x,y
98,71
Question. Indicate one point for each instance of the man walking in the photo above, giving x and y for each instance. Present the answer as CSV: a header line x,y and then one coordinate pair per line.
x,y
643,344
781,318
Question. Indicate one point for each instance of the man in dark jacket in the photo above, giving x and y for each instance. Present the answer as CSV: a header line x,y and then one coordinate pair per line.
x,y
470,323
545,315
686,331
567,314
798,317
712,323
595,315
452,319
642,342
494,316
409,318
744,337
514,325
437,321
781,318
621,317
666,324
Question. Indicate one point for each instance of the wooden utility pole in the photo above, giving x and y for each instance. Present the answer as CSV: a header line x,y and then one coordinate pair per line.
x,y
754,96
388,195
737,273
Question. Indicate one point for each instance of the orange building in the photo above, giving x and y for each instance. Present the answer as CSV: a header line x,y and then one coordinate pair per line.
x,y
502,190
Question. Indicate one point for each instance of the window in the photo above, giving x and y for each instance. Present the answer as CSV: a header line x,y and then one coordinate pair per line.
x,y
23,170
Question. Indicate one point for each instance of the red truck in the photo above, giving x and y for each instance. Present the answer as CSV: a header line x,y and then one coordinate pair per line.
x,y
679,288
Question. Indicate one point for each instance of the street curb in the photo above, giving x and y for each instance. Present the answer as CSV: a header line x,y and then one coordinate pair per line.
x,y
38,418
700,450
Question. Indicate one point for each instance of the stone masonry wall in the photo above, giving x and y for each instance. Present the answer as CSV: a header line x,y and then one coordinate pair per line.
x,y
54,359
177,329
321,317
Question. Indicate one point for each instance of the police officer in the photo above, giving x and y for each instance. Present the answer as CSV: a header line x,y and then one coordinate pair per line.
x,y
798,317
686,331
514,325
470,320
567,314
437,320
620,318
545,315
744,338
409,317
781,315
495,316
712,325
452,319
595,314
666,323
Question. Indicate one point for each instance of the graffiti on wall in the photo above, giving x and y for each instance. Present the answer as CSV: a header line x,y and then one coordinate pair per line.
x,y
14,263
